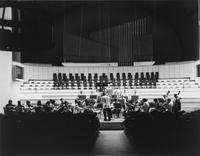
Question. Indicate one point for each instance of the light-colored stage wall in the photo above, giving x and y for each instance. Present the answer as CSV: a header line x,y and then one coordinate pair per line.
x,y
9,89
168,70
5,78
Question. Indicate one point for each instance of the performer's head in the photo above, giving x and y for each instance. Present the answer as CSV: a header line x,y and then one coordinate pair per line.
x,y
175,96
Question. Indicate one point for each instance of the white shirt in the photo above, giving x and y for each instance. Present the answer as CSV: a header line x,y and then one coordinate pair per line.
x,y
106,101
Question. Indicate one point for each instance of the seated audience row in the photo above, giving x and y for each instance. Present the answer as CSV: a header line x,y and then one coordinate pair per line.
x,y
163,132
48,133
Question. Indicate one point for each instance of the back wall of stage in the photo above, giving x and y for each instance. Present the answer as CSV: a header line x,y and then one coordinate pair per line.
x,y
168,70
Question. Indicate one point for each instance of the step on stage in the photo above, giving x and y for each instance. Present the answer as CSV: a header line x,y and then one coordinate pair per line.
x,y
114,124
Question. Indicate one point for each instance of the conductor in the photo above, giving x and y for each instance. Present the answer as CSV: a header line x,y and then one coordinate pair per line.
x,y
106,101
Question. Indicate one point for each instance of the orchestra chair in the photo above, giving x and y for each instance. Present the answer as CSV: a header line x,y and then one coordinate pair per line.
x,y
9,110
117,109
122,102
5,110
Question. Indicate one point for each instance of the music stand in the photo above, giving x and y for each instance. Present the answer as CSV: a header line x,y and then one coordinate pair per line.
x,y
134,98
81,97
93,96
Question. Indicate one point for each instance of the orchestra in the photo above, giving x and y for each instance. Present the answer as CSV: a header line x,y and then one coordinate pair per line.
x,y
118,103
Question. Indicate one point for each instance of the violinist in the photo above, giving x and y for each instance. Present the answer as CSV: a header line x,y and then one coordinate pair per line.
x,y
29,108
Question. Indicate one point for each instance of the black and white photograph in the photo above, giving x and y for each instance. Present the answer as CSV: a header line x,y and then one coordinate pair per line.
x,y
100,77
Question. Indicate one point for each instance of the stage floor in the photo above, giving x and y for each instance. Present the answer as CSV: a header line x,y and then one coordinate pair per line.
x,y
112,120
114,124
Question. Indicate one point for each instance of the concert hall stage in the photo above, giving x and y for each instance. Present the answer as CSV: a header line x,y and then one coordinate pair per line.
x,y
114,124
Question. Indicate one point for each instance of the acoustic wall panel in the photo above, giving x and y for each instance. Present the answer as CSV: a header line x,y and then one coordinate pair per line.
x,y
198,70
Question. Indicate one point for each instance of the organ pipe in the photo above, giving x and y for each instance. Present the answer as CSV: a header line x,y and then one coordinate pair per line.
x,y
126,38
